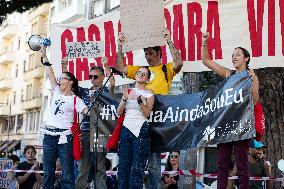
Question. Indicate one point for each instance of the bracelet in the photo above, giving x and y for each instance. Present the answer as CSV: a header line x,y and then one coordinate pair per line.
x,y
45,63
124,100
139,101
204,44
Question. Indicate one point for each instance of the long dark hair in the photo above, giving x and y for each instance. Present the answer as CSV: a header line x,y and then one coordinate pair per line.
x,y
75,86
246,55
168,166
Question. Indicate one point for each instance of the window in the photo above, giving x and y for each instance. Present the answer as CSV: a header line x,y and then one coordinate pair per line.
x,y
19,43
31,121
25,66
31,62
22,95
16,70
114,3
19,122
52,12
99,6
29,92
14,98
34,28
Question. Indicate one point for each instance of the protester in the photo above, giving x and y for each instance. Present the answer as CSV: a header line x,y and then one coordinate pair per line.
x,y
171,181
16,160
57,141
160,84
240,60
27,180
111,180
282,185
134,142
96,76
258,167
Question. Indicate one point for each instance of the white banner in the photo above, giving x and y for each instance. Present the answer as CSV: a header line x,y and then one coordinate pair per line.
x,y
255,25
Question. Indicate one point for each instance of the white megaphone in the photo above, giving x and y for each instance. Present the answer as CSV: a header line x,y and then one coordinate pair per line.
x,y
280,165
36,41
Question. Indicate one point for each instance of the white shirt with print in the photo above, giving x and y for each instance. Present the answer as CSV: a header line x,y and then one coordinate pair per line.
x,y
61,113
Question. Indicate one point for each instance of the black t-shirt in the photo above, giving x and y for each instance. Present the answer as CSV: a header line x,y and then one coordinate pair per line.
x,y
29,183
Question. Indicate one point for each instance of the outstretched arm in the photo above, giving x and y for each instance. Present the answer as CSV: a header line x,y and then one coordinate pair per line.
x,y
178,63
49,70
119,59
217,68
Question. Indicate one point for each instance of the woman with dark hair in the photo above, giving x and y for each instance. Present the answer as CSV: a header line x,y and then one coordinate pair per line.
x,y
240,60
57,141
171,181
134,142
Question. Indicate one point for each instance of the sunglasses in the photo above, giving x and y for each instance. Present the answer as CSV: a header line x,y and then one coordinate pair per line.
x,y
143,74
93,76
62,78
173,156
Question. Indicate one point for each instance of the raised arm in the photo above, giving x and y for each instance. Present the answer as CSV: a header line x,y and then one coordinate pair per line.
x,y
146,105
178,63
64,63
48,68
119,59
215,67
254,86
267,171
124,98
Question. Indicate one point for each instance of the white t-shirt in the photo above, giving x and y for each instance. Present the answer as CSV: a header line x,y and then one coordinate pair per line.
x,y
61,114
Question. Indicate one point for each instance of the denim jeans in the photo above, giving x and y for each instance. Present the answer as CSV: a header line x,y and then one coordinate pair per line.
x,y
51,151
133,154
154,176
224,152
84,162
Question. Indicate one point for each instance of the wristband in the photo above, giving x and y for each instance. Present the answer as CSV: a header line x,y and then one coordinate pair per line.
x,y
124,100
139,101
45,63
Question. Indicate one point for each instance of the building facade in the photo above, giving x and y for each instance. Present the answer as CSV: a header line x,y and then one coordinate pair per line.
x,y
21,80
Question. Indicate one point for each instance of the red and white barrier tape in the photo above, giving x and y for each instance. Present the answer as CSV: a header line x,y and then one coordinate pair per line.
x,y
172,173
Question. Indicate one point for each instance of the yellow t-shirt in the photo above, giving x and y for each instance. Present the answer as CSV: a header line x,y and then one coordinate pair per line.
x,y
158,83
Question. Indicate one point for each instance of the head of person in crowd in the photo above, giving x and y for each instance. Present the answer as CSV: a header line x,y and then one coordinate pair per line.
x,y
30,153
68,82
153,55
15,159
172,161
143,75
108,164
96,76
240,58
256,149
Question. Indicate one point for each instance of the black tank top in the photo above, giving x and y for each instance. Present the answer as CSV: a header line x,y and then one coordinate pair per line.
x,y
256,170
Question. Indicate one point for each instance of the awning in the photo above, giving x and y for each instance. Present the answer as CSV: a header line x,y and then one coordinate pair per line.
x,y
10,144
13,145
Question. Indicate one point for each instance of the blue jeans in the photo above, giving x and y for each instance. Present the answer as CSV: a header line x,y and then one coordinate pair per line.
x,y
154,177
51,151
133,155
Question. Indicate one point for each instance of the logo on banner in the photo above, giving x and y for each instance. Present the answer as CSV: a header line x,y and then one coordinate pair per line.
x,y
209,133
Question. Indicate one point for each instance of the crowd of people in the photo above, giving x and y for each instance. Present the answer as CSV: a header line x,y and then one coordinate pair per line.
x,y
134,143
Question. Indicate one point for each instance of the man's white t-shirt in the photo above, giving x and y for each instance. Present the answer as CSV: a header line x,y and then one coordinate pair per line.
x,y
61,114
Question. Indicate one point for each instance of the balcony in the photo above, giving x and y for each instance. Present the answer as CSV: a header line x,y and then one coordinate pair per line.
x,y
35,102
4,110
42,10
7,31
34,73
6,84
7,57
75,11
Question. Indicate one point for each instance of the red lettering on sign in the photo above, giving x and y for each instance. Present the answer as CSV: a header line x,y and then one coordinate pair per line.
x,y
167,16
255,26
110,46
213,23
67,37
94,35
281,5
178,30
271,28
194,10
